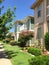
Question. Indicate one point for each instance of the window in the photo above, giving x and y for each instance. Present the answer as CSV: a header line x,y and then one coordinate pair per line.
x,y
39,10
32,21
47,10
47,2
39,33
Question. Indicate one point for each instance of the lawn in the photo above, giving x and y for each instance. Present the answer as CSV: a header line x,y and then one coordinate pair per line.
x,y
16,56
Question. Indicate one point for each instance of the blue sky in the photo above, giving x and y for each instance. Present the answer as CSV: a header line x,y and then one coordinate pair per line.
x,y
23,8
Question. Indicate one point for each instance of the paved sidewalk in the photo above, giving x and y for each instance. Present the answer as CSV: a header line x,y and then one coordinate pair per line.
x,y
3,57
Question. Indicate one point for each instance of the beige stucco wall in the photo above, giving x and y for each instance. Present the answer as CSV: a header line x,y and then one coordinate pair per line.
x,y
38,19
41,21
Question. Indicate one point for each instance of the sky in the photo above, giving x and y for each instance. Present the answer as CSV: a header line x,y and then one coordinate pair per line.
x,y
22,8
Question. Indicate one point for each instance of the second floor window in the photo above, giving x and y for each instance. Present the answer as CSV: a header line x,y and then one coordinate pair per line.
x,y
47,10
39,10
39,33
47,2
32,21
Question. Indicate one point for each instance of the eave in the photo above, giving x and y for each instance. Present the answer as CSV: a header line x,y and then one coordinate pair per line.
x,y
18,21
36,4
27,18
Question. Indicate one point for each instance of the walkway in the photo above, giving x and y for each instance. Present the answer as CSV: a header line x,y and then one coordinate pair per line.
x,y
3,57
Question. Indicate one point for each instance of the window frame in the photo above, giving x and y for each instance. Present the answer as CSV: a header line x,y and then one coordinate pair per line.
x,y
39,10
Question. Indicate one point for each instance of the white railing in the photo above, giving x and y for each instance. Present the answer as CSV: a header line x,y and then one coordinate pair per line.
x,y
47,10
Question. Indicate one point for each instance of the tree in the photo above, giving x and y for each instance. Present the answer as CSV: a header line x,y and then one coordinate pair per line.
x,y
1,1
24,37
6,21
10,36
46,39
2,6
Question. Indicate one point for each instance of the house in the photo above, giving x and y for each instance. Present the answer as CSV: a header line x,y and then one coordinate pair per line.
x,y
24,25
18,27
41,19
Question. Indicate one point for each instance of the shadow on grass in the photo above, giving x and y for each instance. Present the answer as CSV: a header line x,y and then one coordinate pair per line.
x,y
11,54
3,55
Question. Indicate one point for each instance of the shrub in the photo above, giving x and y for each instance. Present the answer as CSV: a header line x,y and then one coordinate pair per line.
x,y
34,51
4,41
24,37
7,41
39,60
36,43
13,42
46,39
22,41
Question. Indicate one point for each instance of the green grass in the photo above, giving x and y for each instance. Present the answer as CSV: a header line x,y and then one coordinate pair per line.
x,y
16,56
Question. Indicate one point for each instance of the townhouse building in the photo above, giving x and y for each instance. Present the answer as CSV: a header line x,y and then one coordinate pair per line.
x,y
24,25
41,19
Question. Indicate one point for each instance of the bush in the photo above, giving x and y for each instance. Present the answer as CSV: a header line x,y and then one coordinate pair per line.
x,y
24,37
13,42
34,51
7,41
36,44
39,60
4,41
22,44
46,39
22,41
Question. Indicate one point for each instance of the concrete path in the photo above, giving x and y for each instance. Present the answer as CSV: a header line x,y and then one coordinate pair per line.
x,y
3,57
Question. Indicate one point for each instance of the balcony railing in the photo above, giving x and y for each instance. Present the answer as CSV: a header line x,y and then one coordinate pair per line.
x,y
47,10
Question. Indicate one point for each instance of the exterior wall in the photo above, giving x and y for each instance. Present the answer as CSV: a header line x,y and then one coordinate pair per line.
x,y
47,10
28,24
25,26
47,1
15,32
41,21
38,21
21,27
18,29
30,27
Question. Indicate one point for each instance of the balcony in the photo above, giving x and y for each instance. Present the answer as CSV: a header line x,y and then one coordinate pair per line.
x,y
47,13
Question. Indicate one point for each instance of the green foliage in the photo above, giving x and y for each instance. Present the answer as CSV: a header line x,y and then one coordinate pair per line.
x,y
34,51
14,54
46,39
3,41
14,7
1,1
5,21
13,42
23,40
7,40
39,60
